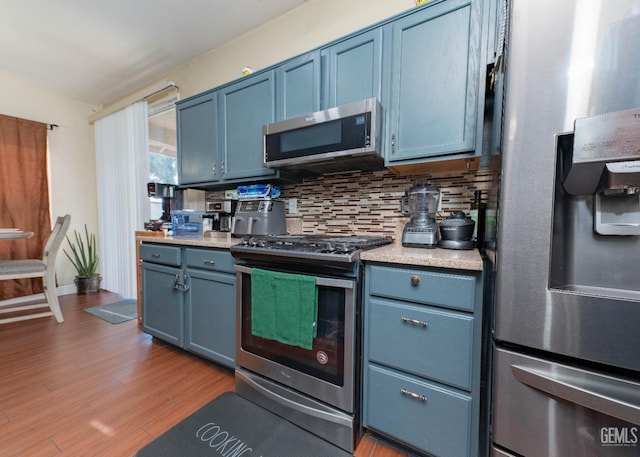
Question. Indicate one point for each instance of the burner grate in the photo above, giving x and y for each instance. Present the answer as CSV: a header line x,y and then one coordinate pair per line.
x,y
345,248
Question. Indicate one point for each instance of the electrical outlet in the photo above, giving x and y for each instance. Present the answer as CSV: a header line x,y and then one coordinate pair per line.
x,y
293,206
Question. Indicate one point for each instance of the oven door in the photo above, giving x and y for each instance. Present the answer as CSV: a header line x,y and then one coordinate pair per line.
x,y
326,371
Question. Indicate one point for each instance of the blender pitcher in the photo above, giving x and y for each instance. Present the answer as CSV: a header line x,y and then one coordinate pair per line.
x,y
422,201
422,228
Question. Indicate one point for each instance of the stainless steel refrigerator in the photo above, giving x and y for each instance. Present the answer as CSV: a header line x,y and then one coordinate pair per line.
x,y
566,359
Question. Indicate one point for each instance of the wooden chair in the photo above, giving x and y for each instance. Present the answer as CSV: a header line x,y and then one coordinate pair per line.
x,y
37,268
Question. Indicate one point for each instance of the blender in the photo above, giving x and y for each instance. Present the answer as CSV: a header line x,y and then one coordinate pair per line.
x,y
422,229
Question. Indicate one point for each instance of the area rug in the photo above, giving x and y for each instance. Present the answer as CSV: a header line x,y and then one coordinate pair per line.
x,y
117,312
233,426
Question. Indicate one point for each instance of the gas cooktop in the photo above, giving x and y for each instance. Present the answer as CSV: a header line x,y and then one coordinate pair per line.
x,y
341,248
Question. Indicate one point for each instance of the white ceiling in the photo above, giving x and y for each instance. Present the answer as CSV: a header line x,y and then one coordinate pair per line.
x,y
97,51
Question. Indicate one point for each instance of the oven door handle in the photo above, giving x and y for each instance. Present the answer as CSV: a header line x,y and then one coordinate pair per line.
x,y
320,281
306,410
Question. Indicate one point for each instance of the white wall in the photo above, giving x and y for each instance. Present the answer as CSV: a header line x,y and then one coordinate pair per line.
x,y
313,24
71,161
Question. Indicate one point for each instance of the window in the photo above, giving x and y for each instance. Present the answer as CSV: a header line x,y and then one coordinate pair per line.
x,y
162,147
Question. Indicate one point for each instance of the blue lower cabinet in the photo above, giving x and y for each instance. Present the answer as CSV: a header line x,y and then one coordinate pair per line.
x,y
163,303
424,415
422,358
191,305
444,339
211,316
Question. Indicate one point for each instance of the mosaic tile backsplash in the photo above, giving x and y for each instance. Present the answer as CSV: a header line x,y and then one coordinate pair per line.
x,y
368,203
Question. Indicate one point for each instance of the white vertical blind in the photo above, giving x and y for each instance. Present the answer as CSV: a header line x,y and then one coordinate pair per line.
x,y
122,169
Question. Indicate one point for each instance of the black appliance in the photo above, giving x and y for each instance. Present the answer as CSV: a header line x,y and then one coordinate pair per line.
x,y
221,213
315,388
456,231
166,192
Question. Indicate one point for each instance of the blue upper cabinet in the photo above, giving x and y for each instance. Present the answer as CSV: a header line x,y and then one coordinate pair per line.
x,y
245,107
427,67
197,140
298,86
435,81
352,69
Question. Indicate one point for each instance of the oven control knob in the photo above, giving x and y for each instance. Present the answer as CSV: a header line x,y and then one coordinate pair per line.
x,y
325,247
341,248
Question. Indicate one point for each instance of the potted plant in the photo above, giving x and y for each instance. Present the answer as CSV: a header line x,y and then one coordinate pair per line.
x,y
84,258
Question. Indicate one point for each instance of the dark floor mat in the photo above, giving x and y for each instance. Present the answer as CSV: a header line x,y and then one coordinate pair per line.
x,y
231,426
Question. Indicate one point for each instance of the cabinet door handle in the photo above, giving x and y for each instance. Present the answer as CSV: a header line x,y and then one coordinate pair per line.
x,y
213,169
222,167
208,262
176,283
415,396
415,280
393,143
408,320
155,256
182,286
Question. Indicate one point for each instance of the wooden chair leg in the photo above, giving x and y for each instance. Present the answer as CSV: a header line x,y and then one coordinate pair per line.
x,y
49,283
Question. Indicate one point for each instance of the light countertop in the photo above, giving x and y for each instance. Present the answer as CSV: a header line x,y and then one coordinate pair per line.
x,y
391,253
221,240
439,258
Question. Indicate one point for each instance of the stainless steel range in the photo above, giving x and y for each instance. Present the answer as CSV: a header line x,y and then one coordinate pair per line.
x,y
334,250
314,385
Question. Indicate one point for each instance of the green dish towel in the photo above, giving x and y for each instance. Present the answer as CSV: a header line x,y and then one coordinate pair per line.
x,y
284,307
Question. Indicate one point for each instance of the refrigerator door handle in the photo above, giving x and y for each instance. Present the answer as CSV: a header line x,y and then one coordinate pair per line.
x,y
613,397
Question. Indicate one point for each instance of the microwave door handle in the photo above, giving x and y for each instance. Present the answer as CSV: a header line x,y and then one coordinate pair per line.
x,y
589,390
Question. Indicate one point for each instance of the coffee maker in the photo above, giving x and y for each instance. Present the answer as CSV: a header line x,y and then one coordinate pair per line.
x,y
167,192
221,214
422,229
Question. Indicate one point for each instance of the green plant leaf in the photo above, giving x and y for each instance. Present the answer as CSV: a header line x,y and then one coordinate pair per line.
x,y
83,254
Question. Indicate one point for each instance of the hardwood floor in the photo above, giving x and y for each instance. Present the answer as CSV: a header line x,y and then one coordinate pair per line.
x,y
89,388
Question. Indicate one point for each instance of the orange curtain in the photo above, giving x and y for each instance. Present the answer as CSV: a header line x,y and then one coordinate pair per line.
x,y
24,196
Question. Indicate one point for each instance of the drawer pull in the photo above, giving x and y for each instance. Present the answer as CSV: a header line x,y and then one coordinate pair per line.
x,y
415,280
155,255
415,396
408,320
208,262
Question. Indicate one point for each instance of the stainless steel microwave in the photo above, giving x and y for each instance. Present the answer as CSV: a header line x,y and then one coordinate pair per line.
x,y
344,138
